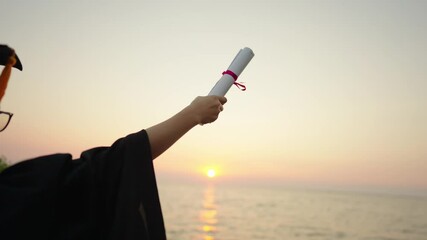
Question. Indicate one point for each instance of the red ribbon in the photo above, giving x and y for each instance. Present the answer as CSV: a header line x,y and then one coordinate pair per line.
x,y
234,76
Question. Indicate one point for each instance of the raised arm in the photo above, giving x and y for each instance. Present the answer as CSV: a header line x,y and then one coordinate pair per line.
x,y
5,74
201,111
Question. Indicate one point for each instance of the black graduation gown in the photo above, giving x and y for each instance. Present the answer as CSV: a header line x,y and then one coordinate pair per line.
x,y
109,193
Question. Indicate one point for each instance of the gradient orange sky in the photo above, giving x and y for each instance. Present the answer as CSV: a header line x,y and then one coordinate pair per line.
x,y
336,91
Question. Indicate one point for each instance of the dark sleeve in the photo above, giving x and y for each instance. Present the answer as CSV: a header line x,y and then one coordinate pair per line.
x,y
121,198
109,193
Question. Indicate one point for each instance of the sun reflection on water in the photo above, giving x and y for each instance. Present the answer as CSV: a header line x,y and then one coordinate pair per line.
x,y
208,214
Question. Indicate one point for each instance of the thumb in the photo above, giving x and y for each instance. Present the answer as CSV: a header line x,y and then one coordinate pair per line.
x,y
12,60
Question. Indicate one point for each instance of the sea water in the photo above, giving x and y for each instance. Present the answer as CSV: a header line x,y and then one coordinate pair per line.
x,y
221,212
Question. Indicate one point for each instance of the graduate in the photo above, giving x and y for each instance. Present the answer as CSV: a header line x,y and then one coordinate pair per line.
x,y
108,193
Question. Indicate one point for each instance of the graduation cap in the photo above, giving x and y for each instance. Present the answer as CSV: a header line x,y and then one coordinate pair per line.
x,y
5,53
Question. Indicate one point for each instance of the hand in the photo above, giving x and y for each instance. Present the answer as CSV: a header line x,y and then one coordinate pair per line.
x,y
206,109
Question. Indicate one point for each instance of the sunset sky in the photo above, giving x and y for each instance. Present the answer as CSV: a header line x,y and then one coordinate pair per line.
x,y
336,93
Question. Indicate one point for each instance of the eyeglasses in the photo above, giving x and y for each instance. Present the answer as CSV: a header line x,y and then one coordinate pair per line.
x,y
4,119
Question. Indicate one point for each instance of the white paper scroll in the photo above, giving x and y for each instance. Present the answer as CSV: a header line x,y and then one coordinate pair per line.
x,y
237,66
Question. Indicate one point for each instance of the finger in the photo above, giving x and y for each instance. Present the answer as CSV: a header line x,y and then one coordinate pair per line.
x,y
222,100
12,60
221,108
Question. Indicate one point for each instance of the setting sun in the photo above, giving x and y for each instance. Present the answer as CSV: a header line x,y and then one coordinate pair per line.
x,y
211,173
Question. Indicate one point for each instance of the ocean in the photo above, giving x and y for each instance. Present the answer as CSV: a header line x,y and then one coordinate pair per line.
x,y
221,212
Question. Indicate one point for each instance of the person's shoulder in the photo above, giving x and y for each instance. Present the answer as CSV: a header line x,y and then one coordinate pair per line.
x,y
47,159
53,161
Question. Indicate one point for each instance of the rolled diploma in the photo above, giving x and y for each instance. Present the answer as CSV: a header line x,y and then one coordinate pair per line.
x,y
237,66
